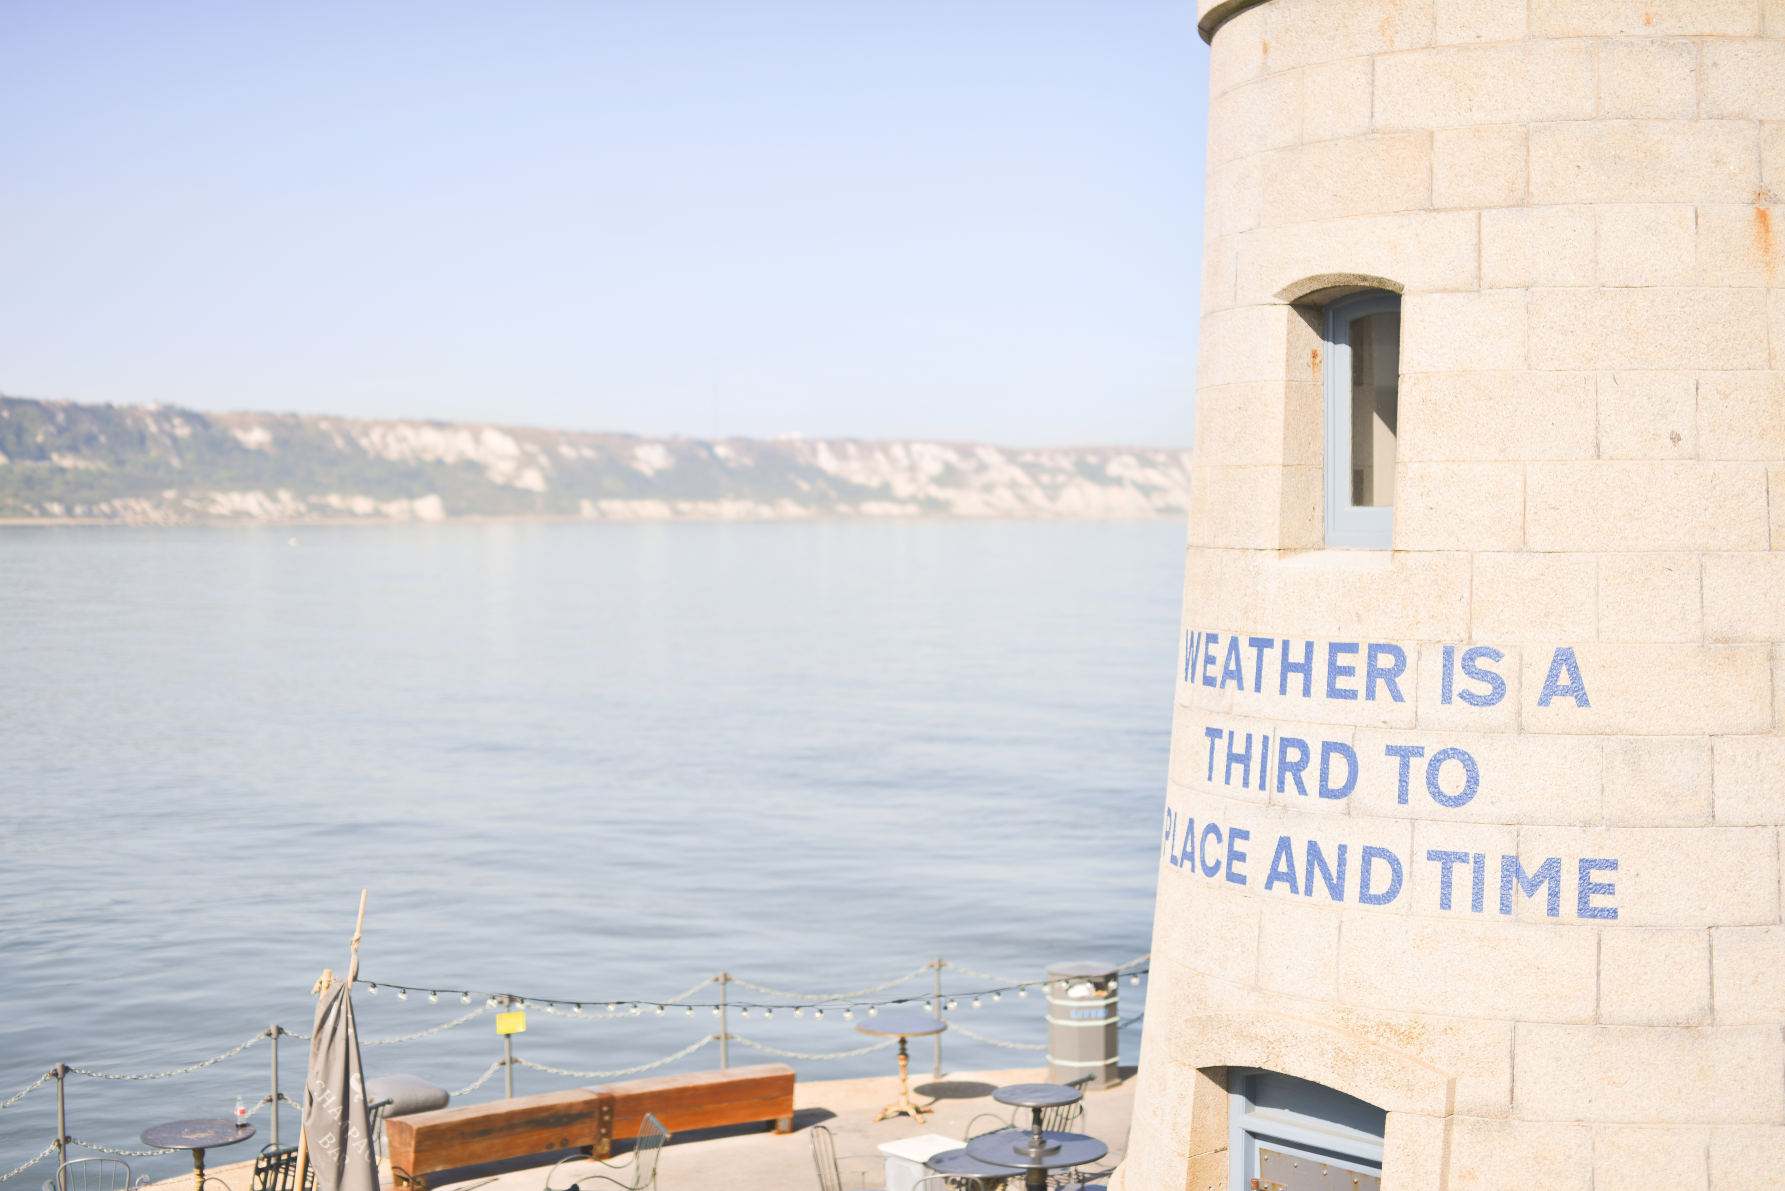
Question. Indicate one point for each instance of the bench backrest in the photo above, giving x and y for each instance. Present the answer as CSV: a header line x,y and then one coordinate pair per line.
x,y
702,1099
445,1138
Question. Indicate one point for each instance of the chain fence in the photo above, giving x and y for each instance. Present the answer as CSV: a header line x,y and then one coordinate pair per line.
x,y
480,1080
22,1167
210,1062
439,1029
963,1030
856,994
992,976
655,1063
12,1100
795,1000
795,1054
92,1145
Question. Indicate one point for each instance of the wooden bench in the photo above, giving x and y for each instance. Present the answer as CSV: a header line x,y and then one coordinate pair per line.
x,y
701,1100
424,1143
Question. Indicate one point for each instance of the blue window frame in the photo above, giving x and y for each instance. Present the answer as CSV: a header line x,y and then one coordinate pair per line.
x,y
1288,1132
1363,355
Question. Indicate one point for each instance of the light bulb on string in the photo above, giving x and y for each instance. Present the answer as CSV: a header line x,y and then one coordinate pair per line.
x,y
612,1008
818,1013
951,1004
402,994
1023,991
768,1014
715,1011
464,998
873,1011
1135,980
744,1013
976,1002
433,998
659,1011
997,996
926,1007
848,1015
372,988
799,1011
690,1012
577,1008
636,1010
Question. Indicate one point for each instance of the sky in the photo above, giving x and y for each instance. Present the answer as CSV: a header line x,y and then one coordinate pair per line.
x,y
962,219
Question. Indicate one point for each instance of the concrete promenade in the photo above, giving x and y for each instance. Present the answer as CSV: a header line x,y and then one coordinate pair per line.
x,y
749,1158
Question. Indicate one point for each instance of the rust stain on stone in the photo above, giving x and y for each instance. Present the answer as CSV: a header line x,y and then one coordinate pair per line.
x,y
1763,239
1648,18
1314,362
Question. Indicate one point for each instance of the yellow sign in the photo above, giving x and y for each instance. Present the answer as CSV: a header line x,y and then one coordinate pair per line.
x,y
512,1023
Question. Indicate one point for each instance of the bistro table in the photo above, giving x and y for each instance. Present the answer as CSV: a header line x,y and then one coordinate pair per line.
x,y
903,1025
197,1136
962,1169
1036,1152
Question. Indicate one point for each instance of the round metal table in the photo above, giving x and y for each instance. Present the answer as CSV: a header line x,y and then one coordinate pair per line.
x,y
959,1164
903,1026
1036,1152
197,1136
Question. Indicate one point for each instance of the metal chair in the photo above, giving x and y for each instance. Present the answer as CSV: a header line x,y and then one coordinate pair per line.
x,y
1080,1178
946,1182
275,1169
91,1174
966,1182
830,1165
640,1166
375,1123
1060,1118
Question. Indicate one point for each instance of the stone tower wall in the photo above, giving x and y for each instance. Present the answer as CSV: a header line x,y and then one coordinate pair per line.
x,y
1580,202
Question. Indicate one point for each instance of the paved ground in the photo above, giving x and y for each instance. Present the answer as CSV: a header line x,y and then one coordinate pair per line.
x,y
752,1159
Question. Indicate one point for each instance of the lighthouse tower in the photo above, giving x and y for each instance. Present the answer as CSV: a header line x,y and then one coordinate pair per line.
x,y
1470,859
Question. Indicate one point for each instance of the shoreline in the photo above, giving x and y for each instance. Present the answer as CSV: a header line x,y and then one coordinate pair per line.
x,y
567,519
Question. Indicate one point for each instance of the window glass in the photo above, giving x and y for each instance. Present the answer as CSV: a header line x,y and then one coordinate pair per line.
x,y
1363,367
1375,379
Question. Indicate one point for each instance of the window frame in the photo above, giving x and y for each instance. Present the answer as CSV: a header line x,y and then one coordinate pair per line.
x,y
1315,1129
1347,525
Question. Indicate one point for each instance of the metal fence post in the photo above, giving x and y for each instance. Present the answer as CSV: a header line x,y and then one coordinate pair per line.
x,y
937,1038
60,1071
273,1032
724,978
508,1056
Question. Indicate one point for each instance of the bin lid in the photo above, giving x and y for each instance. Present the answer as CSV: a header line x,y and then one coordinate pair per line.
x,y
1081,970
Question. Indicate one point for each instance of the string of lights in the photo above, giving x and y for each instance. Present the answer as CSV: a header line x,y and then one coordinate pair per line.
x,y
600,1008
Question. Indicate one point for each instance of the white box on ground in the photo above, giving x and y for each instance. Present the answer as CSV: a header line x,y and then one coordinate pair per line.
x,y
905,1158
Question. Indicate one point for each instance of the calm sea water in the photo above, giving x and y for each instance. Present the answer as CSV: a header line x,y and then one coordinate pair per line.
x,y
577,761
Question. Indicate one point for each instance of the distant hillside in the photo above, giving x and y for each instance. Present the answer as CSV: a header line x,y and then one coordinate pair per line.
x,y
162,465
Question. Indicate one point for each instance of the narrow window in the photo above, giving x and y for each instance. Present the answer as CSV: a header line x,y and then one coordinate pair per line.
x,y
1363,353
1290,1133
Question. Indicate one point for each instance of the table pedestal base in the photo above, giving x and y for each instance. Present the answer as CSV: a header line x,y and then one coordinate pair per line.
x,y
903,1106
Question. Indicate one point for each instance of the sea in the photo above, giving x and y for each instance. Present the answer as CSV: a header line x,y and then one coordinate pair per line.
x,y
573,764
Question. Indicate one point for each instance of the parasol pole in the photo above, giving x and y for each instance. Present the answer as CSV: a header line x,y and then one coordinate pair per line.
x,y
353,948
322,985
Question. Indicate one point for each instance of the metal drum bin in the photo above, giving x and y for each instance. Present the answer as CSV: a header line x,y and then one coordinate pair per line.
x,y
1081,1023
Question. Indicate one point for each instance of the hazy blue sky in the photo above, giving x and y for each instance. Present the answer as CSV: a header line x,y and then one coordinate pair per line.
x,y
962,218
